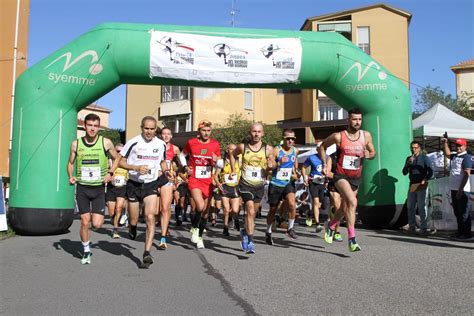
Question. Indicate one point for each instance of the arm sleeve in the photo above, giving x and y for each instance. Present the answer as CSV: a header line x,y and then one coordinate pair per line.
x,y
405,167
429,168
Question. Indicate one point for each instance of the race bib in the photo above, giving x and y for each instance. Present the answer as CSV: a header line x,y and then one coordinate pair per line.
x,y
203,172
119,181
90,173
351,163
150,175
253,173
318,179
284,174
230,181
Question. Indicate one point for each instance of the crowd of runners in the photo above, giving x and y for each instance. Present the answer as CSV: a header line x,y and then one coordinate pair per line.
x,y
151,176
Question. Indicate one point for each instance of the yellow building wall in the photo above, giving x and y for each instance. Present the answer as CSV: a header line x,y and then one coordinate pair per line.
x,y
7,42
141,101
465,82
388,39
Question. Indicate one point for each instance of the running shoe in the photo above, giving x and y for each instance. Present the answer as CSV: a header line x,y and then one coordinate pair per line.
x,y
200,243
115,234
225,231
338,237
163,244
123,219
194,235
245,239
236,224
291,233
132,232
309,222
147,258
86,258
319,228
250,248
268,239
353,245
328,233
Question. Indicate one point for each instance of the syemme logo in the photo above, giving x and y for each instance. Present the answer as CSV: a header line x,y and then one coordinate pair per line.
x,y
375,86
94,69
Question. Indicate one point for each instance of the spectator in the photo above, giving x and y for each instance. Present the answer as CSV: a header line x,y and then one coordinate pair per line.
x,y
419,169
461,165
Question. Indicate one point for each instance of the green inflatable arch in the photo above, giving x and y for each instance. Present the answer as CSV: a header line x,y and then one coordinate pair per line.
x,y
50,93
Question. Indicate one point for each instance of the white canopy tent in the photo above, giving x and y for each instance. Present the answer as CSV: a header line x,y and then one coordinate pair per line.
x,y
438,120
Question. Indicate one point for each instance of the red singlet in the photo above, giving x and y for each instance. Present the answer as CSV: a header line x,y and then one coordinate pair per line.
x,y
351,155
200,164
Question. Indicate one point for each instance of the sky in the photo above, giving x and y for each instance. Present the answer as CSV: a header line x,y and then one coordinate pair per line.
x,y
441,32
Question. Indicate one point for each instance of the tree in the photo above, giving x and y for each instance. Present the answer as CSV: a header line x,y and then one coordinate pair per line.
x,y
429,96
116,135
235,130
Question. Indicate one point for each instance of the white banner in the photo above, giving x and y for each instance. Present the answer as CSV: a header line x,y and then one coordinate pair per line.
x,y
3,216
224,59
440,208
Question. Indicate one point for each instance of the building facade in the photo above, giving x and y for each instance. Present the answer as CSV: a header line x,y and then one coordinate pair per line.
x,y
101,111
464,72
379,30
14,15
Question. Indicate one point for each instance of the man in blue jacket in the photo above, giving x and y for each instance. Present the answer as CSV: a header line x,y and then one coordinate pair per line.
x,y
419,169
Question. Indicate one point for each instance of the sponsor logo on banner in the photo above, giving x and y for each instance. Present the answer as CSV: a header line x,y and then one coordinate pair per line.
x,y
94,69
233,57
380,85
179,53
224,59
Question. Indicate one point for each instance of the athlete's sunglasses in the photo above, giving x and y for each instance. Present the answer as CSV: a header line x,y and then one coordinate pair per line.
x,y
290,138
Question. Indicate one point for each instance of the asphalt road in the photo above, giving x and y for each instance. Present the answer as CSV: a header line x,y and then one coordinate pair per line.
x,y
393,274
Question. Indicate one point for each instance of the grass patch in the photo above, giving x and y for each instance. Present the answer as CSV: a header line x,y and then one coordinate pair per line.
x,y
7,234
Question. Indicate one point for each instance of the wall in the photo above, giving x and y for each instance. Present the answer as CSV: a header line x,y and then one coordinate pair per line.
x,y
7,42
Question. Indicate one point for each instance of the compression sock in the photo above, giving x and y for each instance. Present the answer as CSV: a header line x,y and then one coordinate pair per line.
x,y
202,225
351,232
196,219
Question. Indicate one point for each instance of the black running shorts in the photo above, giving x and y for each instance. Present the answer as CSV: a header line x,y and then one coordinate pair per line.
x,y
354,182
90,198
250,193
317,191
137,191
276,193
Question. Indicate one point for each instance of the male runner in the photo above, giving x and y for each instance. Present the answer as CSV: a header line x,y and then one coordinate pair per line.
x,y
316,183
257,160
229,190
116,195
92,171
203,152
144,157
166,191
282,185
354,146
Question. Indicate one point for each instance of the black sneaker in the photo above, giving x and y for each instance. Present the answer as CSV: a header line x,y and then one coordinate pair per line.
x,y
225,231
268,239
291,233
132,232
147,258
237,224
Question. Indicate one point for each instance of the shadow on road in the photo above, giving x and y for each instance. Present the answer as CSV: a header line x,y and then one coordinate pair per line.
x,y
434,241
115,248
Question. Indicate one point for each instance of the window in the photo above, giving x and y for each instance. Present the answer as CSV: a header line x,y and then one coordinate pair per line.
x,y
363,39
331,112
178,123
248,100
342,27
174,93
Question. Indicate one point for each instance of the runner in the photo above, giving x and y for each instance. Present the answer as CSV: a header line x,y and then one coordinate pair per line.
x,y
116,195
316,183
257,160
144,157
204,152
181,194
166,191
229,190
282,184
90,155
334,195
354,145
